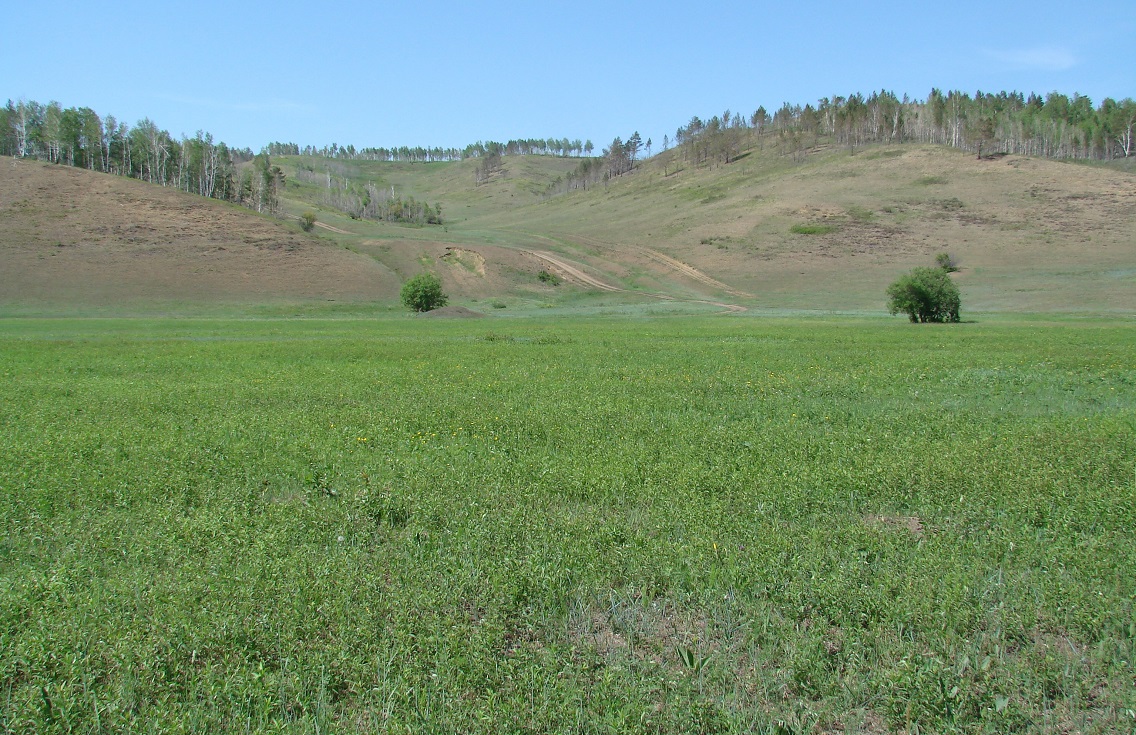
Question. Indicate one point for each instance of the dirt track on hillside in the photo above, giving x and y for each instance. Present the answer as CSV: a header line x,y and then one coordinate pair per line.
x,y
670,263
333,229
571,272
690,271
575,274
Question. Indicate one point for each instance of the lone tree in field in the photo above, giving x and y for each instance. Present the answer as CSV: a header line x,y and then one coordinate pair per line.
x,y
925,295
423,293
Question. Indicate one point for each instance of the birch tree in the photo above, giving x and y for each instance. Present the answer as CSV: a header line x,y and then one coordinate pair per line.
x,y
53,131
18,119
1121,118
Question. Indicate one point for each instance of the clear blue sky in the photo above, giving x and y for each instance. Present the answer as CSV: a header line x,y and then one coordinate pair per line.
x,y
438,73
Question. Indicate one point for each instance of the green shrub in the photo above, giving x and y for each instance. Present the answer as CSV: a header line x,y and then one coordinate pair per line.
x,y
812,229
423,293
307,221
925,295
547,277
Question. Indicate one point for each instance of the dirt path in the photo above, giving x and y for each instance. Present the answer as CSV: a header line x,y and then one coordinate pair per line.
x,y
672,263
688,270
730,308
333,229
573,273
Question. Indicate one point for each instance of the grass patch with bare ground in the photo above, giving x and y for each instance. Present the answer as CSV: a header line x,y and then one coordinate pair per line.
x,y
813,229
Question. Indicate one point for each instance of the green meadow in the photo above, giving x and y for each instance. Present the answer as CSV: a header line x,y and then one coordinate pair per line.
x,y
671,525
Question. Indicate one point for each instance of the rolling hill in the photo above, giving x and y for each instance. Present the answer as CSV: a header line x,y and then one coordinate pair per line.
x,y
765,231
79,240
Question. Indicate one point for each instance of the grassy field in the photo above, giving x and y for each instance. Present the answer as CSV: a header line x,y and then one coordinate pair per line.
x,y
552,525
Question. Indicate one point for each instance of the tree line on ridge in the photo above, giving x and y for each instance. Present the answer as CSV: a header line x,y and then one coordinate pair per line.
x,y
1050,126
1053,126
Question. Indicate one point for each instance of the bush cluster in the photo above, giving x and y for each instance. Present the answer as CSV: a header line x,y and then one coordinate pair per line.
x,y
423,293
925,295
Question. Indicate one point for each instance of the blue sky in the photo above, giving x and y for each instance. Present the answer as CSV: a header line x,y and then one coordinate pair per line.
x,y
446,74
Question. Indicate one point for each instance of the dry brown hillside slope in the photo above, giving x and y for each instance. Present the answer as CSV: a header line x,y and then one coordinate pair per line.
x,y
826,233
75,237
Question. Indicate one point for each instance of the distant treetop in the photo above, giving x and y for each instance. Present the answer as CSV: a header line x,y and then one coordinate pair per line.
x,y
527,146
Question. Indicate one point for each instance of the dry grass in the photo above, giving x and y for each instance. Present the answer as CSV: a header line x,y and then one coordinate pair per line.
x,y
76,237
1030,235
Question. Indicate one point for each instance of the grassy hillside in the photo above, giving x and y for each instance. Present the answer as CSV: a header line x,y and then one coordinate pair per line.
x,y
1031,235
765,231
452,183
826,233
74,240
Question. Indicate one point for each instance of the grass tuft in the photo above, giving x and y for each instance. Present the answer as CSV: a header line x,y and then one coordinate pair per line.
x,y
813,229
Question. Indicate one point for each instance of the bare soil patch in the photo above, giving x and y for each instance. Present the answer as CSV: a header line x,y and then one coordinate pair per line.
x,y
469,259
652,631
911,524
